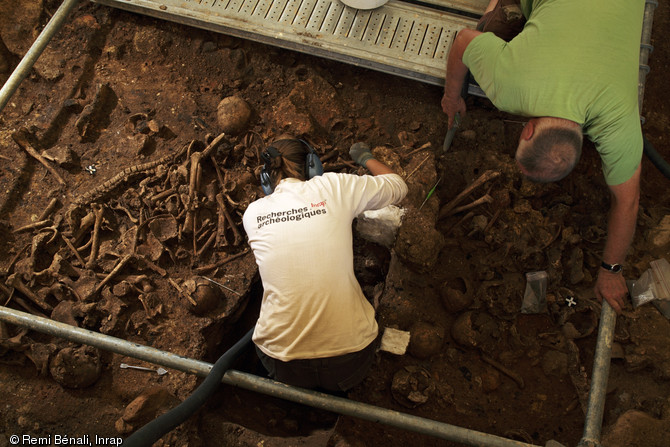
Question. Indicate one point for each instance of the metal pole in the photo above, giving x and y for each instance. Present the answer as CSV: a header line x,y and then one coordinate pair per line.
x,y
23,69
259,384
601,367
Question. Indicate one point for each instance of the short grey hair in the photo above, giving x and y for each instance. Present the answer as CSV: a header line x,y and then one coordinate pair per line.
x,y
552,154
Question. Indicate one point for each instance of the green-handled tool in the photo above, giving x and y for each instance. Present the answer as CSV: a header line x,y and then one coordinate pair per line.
x,y
430,193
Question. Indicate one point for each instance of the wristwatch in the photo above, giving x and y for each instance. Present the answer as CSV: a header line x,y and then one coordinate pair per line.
x,y
612,268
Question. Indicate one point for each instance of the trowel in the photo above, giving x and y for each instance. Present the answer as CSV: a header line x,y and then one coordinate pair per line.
x,y
451,132
457,118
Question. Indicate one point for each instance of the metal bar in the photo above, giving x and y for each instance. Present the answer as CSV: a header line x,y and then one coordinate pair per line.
x,y
259,384
369,412
23,69
601,367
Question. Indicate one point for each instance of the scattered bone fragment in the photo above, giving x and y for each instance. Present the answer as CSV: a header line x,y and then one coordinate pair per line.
x,y
15,281
147,406
95,238
88,122
426,339
233,114
22,138
204,294
456,295
504,369
462,331
63,156
447,209
412,386
490,380
40,354
66,312
76,367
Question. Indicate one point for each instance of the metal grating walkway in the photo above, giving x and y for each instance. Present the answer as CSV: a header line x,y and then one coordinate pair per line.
x,y
399,38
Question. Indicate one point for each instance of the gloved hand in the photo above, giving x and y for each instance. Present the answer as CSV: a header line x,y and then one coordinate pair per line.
x,y
360,153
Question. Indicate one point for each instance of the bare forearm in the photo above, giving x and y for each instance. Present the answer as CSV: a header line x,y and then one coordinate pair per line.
x,y
622,219
620,232
456,69
610,285
452,103
376,167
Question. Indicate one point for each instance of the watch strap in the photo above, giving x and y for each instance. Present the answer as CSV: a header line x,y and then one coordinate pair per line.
x,y
614,268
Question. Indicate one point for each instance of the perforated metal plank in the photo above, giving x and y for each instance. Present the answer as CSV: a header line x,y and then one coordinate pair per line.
x,y
398,38
473,7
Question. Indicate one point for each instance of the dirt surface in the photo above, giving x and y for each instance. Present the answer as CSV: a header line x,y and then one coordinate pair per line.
x,y
150,166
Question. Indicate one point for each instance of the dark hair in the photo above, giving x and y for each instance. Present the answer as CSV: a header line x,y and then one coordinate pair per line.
x,y
552,154
291,160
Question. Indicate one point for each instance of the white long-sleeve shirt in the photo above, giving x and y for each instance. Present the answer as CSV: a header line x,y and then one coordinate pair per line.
x,y
301,236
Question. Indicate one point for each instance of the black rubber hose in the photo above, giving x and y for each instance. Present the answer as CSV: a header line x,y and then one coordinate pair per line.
x,y
154,430
656,158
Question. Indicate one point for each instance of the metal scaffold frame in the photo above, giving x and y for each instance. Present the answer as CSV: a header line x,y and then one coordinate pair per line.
x,y
349,20
266,386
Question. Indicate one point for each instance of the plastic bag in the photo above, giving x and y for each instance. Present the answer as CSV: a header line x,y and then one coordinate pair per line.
x,y
535,297
642,291
654,284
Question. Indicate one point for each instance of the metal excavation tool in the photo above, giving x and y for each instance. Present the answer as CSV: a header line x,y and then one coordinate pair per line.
x,y
159,371
451,132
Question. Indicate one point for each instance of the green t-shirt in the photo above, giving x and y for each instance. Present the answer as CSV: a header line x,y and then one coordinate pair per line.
x,y
576,60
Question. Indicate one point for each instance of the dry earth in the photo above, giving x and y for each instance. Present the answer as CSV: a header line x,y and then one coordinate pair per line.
x,y
142,200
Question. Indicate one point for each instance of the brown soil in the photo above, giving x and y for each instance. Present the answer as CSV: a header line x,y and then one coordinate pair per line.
x,y
115,92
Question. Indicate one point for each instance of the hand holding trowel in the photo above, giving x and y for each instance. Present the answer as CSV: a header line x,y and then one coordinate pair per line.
x,y
451,132
457,117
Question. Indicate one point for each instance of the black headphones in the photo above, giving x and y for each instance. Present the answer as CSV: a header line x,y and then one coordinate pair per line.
x,y
313,165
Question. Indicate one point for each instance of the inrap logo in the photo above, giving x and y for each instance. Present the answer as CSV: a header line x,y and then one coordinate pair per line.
x,y
322,203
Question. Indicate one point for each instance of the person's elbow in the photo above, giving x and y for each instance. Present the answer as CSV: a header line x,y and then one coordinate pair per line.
x,y
395,188
404,191
462,40
629,203
401,191
626,196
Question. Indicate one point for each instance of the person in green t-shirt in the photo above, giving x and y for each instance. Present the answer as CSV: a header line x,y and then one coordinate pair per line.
x,y
572,67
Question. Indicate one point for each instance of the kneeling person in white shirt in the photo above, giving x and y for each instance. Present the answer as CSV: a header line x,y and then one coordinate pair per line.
x,y
316,329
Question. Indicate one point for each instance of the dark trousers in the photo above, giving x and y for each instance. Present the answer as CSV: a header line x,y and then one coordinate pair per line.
x,y
337,374
505,20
